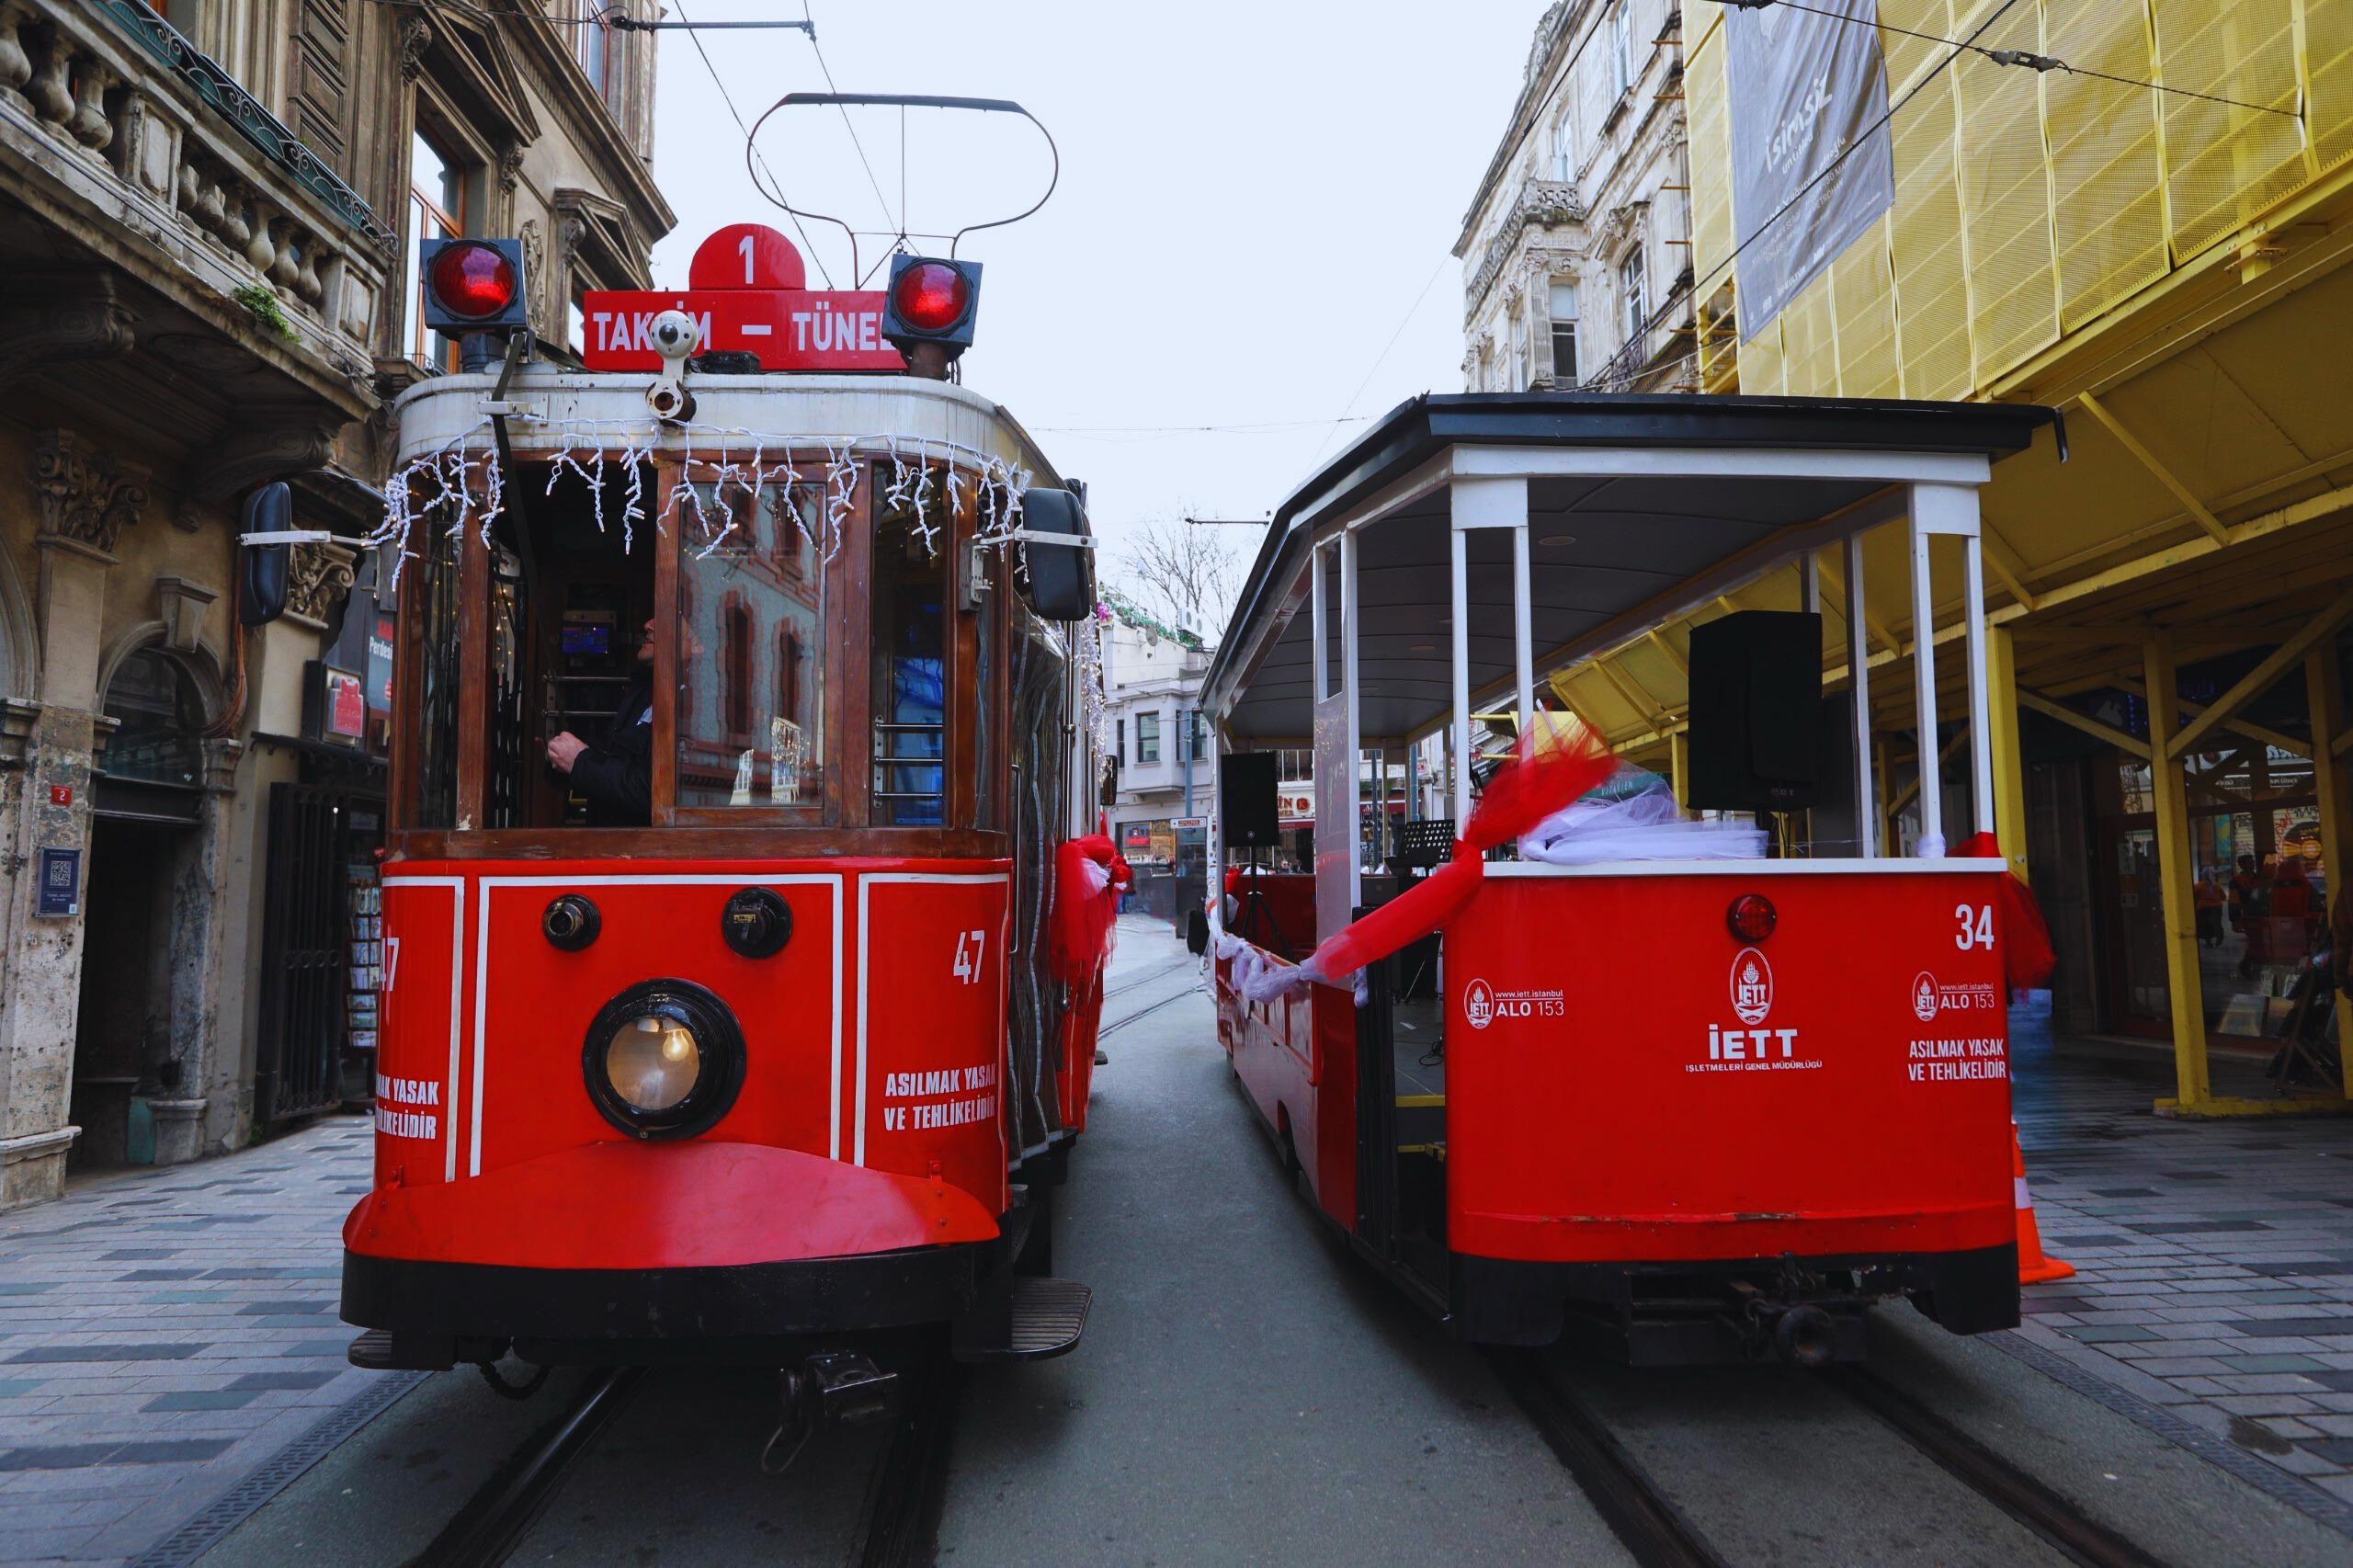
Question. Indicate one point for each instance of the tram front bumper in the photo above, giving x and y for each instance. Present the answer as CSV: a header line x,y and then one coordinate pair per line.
x,y
682,1241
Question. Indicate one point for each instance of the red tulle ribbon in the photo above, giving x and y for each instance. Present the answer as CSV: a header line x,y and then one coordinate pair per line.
x,y
2027,956
1546,777
1089,876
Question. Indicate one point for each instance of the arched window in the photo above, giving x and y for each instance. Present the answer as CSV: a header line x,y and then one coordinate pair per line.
x,y
159,720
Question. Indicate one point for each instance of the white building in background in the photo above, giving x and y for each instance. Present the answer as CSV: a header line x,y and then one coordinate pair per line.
x,y
1151,674
1576,250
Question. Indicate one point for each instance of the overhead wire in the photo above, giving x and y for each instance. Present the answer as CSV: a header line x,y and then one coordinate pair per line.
x,y
1348,408
1697,288
843,109
806,243
2019,57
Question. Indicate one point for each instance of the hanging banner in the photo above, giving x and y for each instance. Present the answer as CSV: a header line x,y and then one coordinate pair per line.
x,y
1806,87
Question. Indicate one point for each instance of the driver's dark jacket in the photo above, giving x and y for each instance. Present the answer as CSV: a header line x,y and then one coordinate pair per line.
x,y
615,776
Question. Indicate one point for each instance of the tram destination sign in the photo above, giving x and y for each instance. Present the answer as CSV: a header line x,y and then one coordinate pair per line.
x,y
746,289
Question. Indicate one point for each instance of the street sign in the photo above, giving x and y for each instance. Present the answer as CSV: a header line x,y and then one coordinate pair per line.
x,y
744,293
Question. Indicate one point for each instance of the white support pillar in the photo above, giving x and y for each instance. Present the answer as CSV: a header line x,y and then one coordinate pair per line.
x,y
1923,684
1809,583
1980,729
1523,625
1859,666
1949,510
1319,636
1460,763
1351,701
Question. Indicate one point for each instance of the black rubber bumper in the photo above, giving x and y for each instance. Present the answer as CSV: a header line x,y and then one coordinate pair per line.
x,y
1670,1313
760,1300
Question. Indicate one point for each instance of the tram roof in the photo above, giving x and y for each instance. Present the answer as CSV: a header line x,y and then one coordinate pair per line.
x,y
582,409
1711,493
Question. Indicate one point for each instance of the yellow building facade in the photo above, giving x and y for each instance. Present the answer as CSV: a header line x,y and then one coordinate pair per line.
x,y
2144,226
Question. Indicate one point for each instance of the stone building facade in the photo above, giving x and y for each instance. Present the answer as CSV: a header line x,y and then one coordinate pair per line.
x,y
1576,250
207,219
1151,674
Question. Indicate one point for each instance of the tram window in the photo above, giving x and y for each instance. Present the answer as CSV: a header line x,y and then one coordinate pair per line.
x,y
908,781
436,650
989,795
751,615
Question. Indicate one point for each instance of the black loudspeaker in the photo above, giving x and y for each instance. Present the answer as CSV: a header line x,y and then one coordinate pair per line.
x,y
1061,581
1245,800
1755,712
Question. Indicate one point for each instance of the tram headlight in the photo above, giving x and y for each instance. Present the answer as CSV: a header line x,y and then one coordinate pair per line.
x,y
653,1061
664,1059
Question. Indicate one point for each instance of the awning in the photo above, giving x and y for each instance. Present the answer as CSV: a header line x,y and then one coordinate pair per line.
x,y
1641,539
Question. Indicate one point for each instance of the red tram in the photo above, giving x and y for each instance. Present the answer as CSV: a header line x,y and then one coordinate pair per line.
x,y
739,1036
1588,1086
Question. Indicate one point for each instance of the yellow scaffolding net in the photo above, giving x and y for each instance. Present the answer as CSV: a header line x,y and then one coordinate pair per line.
x,y
2029,203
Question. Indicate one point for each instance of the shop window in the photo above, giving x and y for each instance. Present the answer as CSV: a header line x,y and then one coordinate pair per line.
x,y
437,210
752,606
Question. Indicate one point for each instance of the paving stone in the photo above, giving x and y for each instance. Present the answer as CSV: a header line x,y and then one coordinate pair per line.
x,y
2273,1363
2107,1333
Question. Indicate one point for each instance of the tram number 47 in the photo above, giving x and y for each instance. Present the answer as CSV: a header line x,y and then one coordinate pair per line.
x,y
1976,926
968,944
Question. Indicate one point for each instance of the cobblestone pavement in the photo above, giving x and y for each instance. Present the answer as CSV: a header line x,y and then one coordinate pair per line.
x,y
165,1333
2214,1259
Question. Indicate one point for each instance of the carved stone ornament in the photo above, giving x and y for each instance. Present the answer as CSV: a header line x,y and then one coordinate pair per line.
x,y
510,167
57,318
535,255
416,37
86,494
315,575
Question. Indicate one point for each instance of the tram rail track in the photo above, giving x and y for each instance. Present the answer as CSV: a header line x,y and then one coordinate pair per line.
x,y
1658,1534
896,1526
497,1517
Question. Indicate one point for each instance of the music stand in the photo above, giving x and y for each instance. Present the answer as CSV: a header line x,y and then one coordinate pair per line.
x,y
1251,904
1421,847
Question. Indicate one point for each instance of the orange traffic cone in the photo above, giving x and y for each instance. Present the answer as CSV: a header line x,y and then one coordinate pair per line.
x,y
2034,1268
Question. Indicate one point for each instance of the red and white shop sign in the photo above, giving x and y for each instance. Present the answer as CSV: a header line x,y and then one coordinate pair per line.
x,y
744,288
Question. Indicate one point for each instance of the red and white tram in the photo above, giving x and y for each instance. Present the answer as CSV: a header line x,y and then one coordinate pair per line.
x,y
739,1036
1671,1109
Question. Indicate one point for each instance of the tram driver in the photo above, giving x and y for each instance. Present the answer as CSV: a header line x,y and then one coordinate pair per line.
x,y
616,775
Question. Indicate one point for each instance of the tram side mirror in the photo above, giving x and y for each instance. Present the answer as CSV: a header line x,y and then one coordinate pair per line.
x,y
1197,933
263,568
1061,583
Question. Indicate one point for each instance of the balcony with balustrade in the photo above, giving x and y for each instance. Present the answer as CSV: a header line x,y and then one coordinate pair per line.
x,y
166,237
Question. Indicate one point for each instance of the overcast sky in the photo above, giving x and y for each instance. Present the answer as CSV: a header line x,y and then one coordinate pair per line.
x,y
1253,196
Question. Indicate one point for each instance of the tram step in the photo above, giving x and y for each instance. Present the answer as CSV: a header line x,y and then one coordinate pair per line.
x,y
1048,1317
382,1350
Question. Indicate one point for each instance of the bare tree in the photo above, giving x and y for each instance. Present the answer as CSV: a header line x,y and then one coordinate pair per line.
x,y
1190,574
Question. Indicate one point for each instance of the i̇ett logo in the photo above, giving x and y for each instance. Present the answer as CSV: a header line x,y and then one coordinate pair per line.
x,y
1924,997
1752,986
1478,1005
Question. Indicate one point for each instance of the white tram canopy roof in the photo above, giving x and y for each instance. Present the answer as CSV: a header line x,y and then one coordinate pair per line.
x,y
1639,507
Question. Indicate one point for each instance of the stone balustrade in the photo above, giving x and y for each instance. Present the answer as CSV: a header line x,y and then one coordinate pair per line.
x,y
193,163
1540,201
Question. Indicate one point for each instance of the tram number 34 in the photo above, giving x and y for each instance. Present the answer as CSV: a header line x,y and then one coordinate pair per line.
x,y
968,944
1976,926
